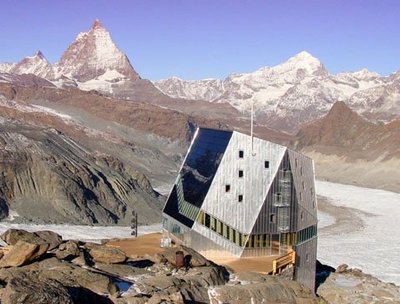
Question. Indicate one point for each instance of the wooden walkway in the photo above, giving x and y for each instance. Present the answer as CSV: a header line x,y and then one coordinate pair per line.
x,y
150,244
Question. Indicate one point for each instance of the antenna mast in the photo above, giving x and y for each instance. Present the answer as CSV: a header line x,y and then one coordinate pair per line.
x,y
252,127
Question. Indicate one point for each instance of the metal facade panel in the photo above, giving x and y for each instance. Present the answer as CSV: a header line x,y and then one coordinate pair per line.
x,y
303,178
305,265
253,186
268,218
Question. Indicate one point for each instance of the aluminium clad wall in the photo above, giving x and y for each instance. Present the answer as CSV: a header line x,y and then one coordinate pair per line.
x,y
303,178
306,216
305,266
264,223
253,185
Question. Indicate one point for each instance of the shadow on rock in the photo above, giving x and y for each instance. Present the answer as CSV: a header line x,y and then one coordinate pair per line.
x,y
322,273
81,295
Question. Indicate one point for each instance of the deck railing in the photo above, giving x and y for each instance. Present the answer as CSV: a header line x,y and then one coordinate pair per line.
x,y
282,262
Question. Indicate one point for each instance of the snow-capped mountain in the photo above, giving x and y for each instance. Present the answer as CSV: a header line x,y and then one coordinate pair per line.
x,y
91,62
284,96
93,55
36,64
206,89
6,67
294,92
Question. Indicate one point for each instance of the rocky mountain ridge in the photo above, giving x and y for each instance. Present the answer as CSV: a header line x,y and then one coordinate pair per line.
x,y
349,149
295,92
285,96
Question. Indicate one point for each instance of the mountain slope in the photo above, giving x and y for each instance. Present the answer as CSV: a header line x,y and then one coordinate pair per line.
x,y
343,129
349,149
47,177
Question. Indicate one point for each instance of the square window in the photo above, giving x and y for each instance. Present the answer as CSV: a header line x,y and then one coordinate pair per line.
x,y
266,164
240,173
240,198
272,218
241,153
227,188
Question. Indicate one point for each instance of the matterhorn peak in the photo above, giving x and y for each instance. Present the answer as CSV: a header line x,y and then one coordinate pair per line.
x,y
92,54
97,24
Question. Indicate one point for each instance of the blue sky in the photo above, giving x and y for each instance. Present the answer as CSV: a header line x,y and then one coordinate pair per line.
x,y
195,39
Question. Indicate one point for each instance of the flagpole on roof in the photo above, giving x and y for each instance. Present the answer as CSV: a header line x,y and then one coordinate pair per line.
x,y
252,127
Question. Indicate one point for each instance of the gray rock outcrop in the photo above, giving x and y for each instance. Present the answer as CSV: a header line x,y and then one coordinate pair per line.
x,y
30,290
48,178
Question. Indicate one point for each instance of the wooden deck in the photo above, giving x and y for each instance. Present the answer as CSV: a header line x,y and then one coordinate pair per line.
x,y
254,264
140,246
150,244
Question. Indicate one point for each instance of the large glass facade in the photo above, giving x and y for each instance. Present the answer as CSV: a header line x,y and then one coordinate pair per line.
x,y
196,175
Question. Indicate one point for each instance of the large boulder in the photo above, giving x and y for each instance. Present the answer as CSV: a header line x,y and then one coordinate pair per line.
x,y
50,237
75,276
12,236
31,290
68,250
192,285
121,270
192,257
23,253
107,255
164,297
69,275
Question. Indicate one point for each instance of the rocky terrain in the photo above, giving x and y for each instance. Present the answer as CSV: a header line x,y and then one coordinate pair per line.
x,y
40,267
347,285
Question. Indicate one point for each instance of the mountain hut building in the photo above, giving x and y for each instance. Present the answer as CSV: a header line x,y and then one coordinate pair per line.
x,y
239,196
